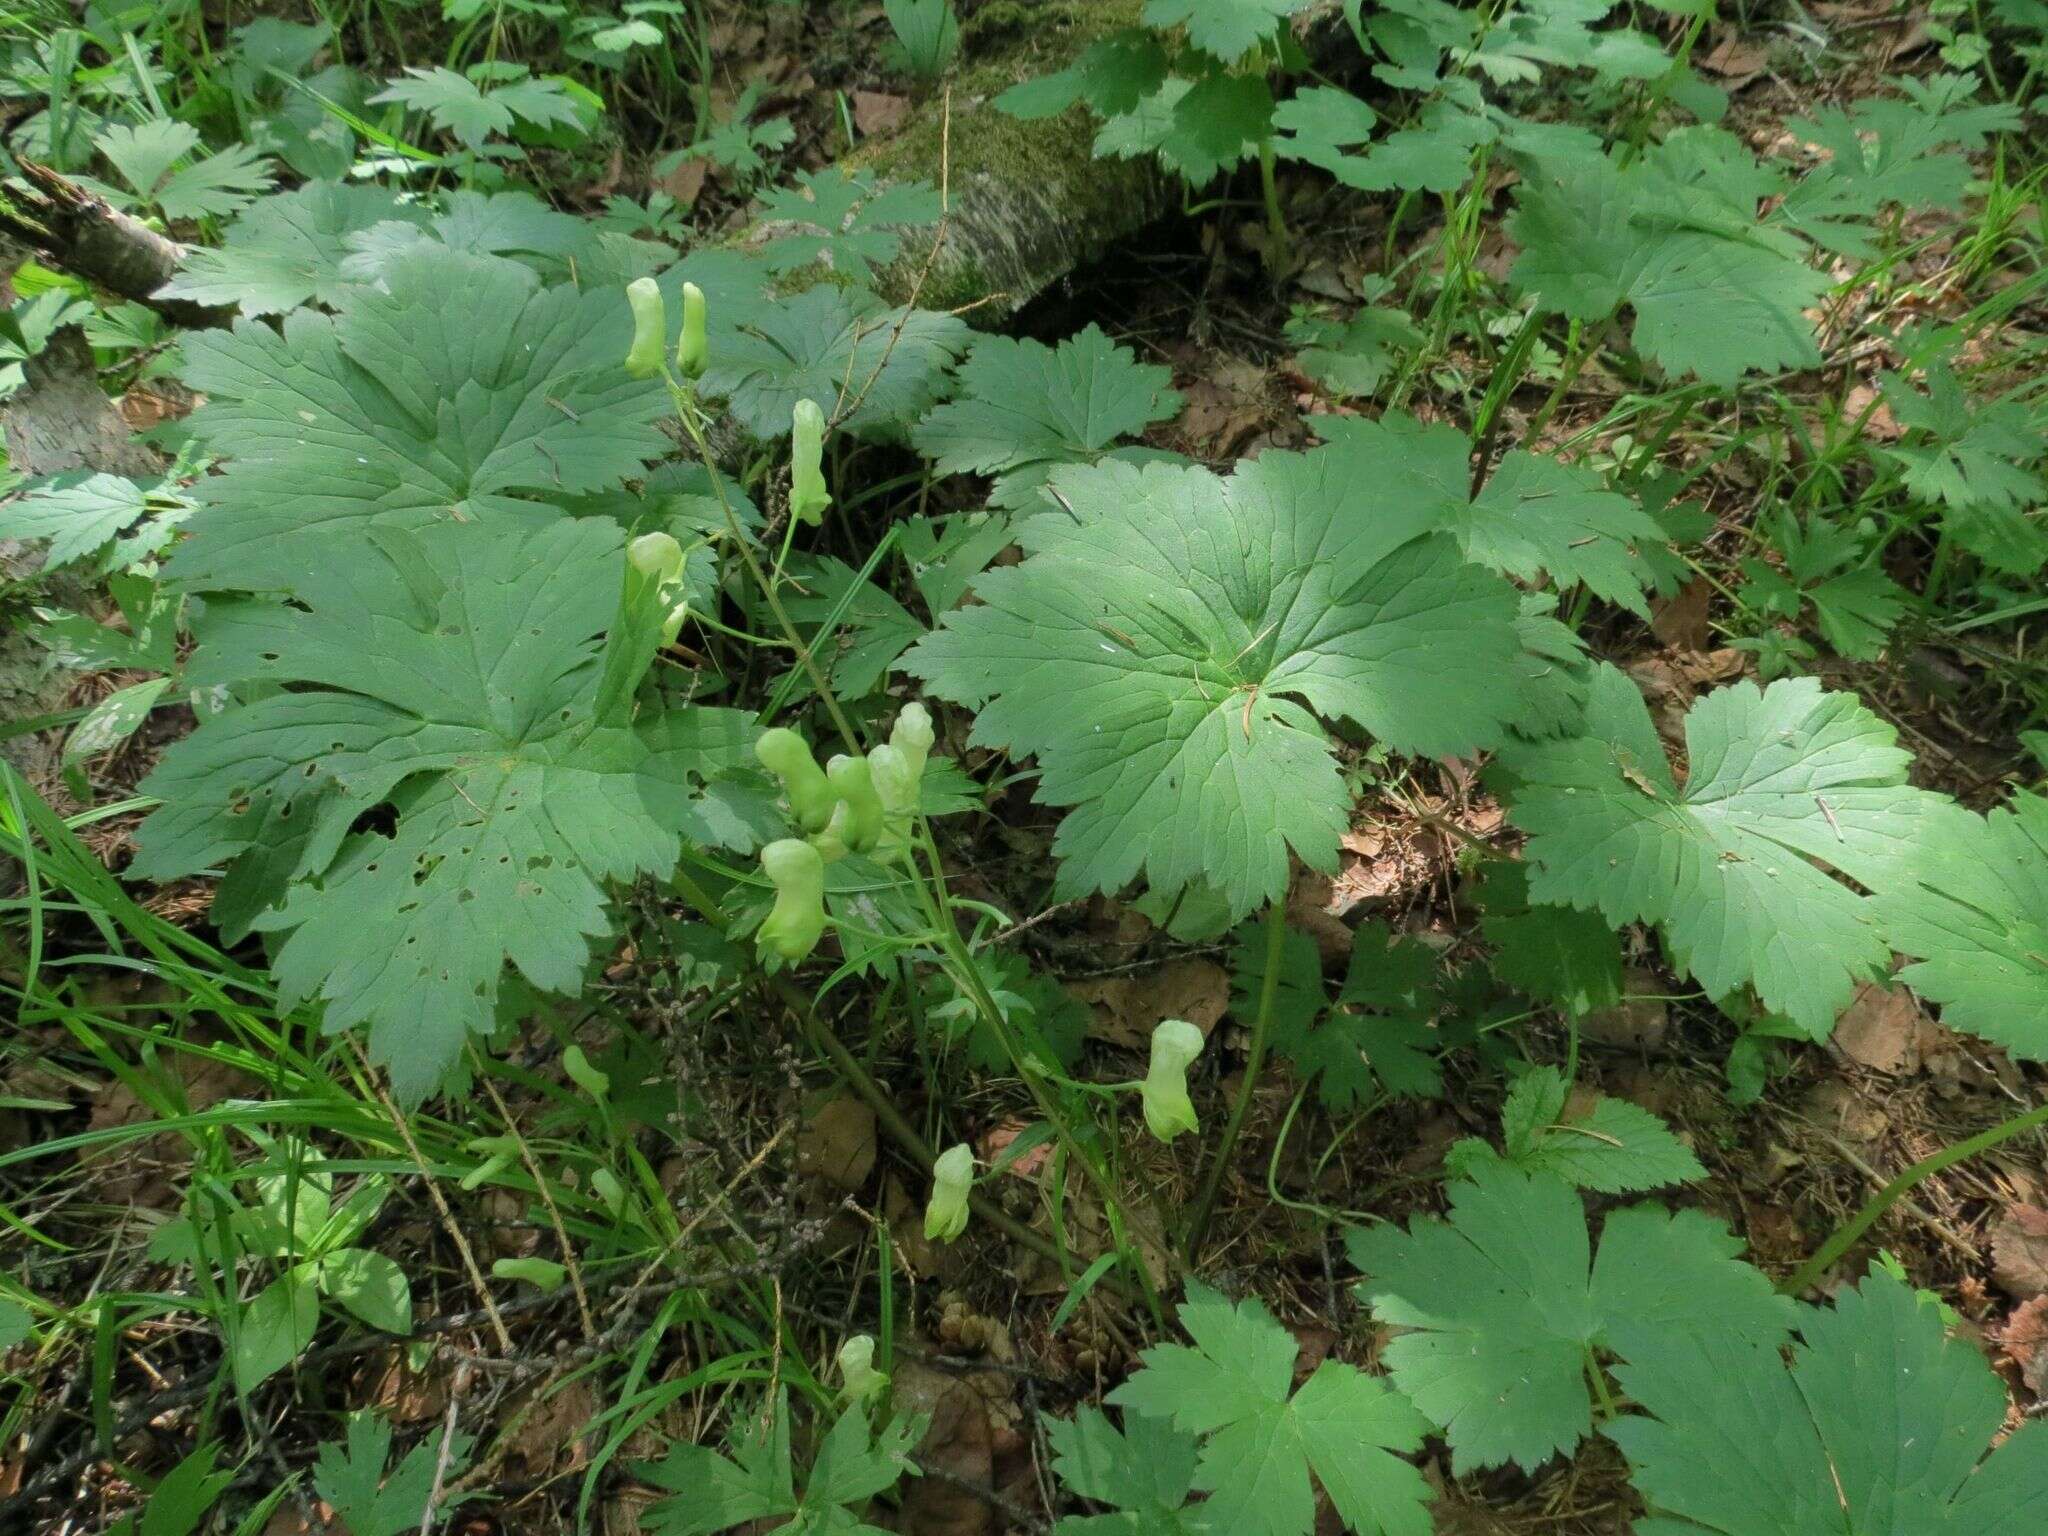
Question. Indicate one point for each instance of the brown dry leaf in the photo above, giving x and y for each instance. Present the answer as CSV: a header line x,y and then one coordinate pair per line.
x,y
959,1443
1881,1029
1639,1022
1309,904
836,1143
1880,425
2019,1252
143,1172
1225,409
1838,1107
1681,621
1736,61
1026,1167
877,112
684,181
552,1439
1382,861
409,1397
2024,1338
1127,1008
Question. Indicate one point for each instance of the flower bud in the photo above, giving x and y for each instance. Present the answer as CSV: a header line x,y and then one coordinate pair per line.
x,y
913,737
657,555
693,352
796,923
808,497
650,328
583,1074
945,1217
853,782
1168,1110
857,1368
786,755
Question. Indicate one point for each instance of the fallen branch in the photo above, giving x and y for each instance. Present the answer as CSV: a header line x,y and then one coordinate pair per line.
x,y
90,238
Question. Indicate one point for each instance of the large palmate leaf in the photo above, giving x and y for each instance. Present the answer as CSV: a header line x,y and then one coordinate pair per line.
x,y
451,677
1608,1145
1505,1302
873,368
1225,29
1783,781
456,395
1676,236
1975,915
1879,1428
1260,1444
1144,1471
1377,1034
843,219
1021,408
755,1486
1533,515
1170,640
287,250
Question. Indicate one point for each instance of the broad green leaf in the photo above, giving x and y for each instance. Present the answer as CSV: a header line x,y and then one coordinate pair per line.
x,y
1783,780
1220,120
1113,75
1534,514
1144,1471
450,676
351,1478
927,35
184,1494
1166,648
219,184
287,250
371,1286
1377,1033
1224,29
1878,1428
460,393
1505,1304
80,512
843,219
1020,408
274,1329
1352,358
1978,460
1975,917
873,368
1676,236
143,153
709,1492
1612,1146
1561,955
1259,1445
452,102
16,1321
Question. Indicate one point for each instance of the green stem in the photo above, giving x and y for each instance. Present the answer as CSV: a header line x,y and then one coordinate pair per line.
x,y
1277,241
1255,1058
1825,1256
686,410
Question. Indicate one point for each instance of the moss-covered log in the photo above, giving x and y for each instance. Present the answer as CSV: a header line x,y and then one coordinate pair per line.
x,y
1027,201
